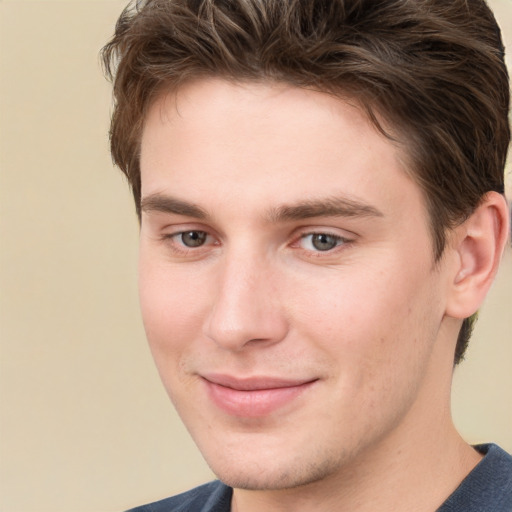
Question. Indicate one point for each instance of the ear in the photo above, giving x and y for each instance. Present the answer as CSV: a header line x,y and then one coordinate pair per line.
x,y
478,244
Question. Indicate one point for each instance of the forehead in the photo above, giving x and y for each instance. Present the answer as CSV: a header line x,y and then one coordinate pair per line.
x,y
272,143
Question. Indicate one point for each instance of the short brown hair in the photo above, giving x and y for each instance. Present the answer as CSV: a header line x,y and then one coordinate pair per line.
x,y
432,69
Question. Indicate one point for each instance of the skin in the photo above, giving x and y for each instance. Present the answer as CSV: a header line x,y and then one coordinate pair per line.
x,y
253,172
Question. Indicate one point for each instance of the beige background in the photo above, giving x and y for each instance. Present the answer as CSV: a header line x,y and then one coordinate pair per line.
x,y
85,424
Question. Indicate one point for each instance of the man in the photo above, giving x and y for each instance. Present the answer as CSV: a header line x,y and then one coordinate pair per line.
x,y
320,191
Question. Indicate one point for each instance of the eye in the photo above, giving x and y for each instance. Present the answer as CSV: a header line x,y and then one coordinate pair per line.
x,y
188,243
192,238
321,241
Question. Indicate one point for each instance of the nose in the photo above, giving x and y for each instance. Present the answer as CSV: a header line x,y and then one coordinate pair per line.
x,y
246,309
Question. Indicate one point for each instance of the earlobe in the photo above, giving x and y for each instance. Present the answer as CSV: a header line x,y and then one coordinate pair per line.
x,y
479,244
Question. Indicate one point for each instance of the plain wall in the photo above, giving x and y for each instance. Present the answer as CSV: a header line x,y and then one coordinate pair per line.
x,y
85,424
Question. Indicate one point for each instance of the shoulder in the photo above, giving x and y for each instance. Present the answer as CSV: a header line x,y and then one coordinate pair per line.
x,y
487,487
211,497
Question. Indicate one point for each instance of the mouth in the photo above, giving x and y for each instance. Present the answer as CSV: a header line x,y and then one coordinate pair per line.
x,y
256,396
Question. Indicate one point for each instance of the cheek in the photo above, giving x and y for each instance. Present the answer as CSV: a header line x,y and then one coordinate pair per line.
x,y
171,305
370,319
378,335
171,315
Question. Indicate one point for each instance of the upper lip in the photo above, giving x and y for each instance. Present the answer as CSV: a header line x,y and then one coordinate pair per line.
x,y
254,383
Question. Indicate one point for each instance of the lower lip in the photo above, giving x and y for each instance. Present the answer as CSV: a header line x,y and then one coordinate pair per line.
x,y
254,403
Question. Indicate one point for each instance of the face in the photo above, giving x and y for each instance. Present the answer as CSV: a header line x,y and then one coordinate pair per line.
x,y
287,282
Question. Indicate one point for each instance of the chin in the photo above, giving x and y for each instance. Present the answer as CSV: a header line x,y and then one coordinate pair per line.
x,y
277,472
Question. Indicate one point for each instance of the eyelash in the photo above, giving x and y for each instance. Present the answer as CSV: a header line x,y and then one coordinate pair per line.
x,y
179,248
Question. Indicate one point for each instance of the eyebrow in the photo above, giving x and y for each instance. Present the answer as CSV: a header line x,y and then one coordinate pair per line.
x,y
167,204
329,207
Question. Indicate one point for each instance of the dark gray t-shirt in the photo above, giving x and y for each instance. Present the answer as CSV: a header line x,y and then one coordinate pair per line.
x,y
488,488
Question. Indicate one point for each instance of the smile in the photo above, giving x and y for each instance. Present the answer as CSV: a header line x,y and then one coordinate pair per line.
x,y
254,397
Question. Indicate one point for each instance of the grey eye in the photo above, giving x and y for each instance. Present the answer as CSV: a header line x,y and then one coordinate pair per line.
x,y
193,238
324,242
